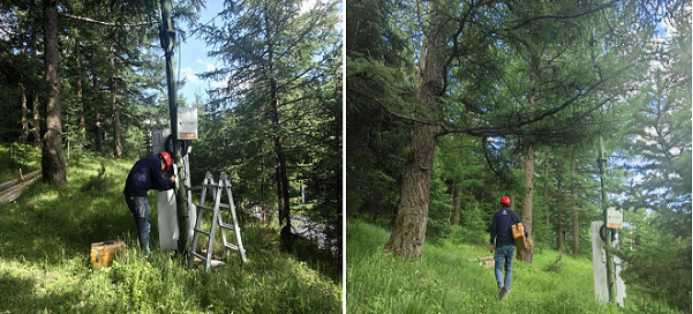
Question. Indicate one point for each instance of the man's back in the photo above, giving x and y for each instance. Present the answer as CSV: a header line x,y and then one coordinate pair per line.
x,y
145,175
501,227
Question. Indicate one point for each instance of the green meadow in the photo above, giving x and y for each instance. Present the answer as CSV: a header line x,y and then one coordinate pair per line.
x,y
45,239
444,281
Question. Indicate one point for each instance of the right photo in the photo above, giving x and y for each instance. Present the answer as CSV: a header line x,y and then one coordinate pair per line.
x,y
518,156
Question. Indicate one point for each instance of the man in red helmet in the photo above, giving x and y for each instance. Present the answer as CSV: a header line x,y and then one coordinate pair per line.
x,y
504,244
147,174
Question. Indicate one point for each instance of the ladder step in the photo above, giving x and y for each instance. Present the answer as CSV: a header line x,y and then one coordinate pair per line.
x,y
222,205
231,246
227,226
204,258
202,231
205,207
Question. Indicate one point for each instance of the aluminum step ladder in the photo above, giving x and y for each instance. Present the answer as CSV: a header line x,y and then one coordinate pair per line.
x,y
217,189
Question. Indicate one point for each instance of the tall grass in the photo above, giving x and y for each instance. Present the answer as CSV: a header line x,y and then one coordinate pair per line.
x,y
45,239
446,282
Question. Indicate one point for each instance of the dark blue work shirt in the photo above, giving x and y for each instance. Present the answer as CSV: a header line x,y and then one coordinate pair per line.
x,y
501,227
146,175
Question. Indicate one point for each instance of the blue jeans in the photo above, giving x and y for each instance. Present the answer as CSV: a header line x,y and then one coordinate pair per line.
x,y
504,256
139,207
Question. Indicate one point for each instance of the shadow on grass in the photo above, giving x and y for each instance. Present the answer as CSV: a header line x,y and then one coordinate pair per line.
x,y
21,296
51,223
317,258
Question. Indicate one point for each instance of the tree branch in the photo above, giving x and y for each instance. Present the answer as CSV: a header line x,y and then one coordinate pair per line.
x,y
86,19
559,16
455,42
490,131
488,160
395,114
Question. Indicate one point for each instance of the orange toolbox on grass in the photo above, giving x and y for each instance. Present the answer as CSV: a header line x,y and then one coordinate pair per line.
x,y
102,253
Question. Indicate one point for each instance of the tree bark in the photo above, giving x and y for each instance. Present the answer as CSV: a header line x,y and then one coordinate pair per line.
x,y
559,216
80,100
547,210
282,176
560,245
576,220
456,192
98,140
36,116
25,123
409,230
513,197
527,204
117,146
52,165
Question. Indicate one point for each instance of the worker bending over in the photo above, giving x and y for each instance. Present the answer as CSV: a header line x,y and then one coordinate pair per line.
x,y
147,174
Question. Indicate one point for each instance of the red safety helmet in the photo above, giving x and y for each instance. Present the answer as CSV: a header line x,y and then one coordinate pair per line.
x,y
167,159
505,200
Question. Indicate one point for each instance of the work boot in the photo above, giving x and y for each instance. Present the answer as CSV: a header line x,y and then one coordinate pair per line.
x,y
501,292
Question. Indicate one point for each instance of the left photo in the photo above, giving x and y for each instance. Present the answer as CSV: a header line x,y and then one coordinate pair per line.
x,y
165,156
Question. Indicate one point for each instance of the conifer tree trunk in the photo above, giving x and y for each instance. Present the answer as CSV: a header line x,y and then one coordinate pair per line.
x,y
80,100
52,164
547,210
456,191
117,146
25,122
409,229
576,220
36,117
265,217
559,214
513,197
282,176
560,245
527,204
98,140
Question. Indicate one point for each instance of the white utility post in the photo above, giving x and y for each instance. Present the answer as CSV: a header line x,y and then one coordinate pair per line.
x,y
601,290
166,201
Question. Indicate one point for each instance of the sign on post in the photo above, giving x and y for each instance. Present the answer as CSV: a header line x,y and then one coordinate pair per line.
x,y
614,218
187,123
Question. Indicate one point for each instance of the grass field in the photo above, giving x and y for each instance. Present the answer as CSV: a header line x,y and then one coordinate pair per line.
x,y
45,239
446,282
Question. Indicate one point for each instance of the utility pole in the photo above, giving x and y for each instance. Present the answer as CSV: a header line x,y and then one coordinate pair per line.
x,y
608,238
167,36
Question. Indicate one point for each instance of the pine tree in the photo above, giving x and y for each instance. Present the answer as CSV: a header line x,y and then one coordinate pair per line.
x,y
271,53
457,89
52,164
658,143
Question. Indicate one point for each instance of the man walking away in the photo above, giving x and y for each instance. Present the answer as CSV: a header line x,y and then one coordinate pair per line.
x,y
146,174
504,244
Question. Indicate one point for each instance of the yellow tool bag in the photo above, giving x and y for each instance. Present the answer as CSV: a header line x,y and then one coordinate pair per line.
x,y
519,235
102,253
